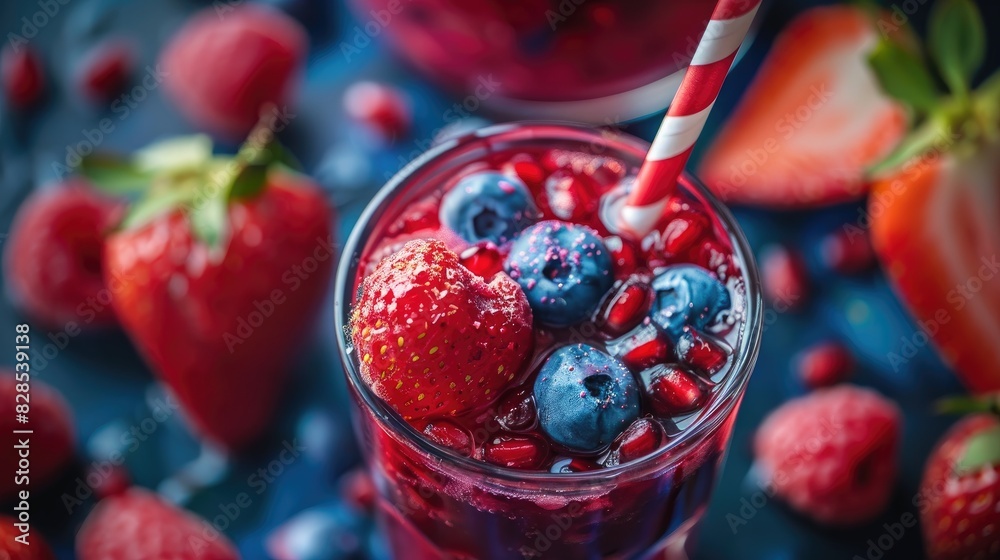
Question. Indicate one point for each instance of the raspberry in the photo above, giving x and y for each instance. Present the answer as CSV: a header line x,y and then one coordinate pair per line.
x,y
225,70
832,454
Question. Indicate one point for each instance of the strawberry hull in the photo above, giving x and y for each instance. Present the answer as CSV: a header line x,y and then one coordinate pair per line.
x,y
495,481
220,327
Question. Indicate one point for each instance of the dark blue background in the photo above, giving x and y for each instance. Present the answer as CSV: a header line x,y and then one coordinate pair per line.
x,y
111,390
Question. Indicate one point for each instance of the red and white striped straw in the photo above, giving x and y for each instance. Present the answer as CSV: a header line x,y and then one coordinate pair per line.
x,y
688,112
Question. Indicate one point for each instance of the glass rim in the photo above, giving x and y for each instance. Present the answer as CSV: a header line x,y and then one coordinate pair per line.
x,y
707,423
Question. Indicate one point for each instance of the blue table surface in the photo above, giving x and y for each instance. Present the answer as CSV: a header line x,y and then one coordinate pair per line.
x,y
111,390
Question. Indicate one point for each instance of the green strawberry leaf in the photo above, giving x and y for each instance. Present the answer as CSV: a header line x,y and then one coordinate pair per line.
x,y
174,154
209,220
982,449
153,206
930,135
904,76
989,403
957,42
114,175
249,181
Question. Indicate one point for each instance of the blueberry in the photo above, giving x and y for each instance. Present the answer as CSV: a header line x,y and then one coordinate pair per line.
x,y
585,398
564,269
488,206
687,295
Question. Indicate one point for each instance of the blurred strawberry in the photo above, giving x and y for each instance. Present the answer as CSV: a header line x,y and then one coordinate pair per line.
x,y
811,122
139,525
52,259
228,260
36,548
934,209
22,75
224,66
960,489
51,444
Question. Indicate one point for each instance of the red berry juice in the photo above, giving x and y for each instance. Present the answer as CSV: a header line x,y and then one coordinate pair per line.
x,y
491,484
543,51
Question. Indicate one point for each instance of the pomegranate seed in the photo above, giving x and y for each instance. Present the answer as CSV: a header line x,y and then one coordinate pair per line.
x,y
358,489
824,364
627,308
645,348
516,452
641,438
784,277
483,259
517,410
571,197
381,107
847,252
680,233
623,256
648,354
22,75
701,352
712,255
525,168
105,71
673,390
449,435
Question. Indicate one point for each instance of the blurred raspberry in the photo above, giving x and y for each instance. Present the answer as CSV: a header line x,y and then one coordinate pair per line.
x,y
222,67
832,454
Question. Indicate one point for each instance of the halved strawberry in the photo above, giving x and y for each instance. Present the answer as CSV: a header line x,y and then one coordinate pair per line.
x,y
936,230
935,218
435,339
811,122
